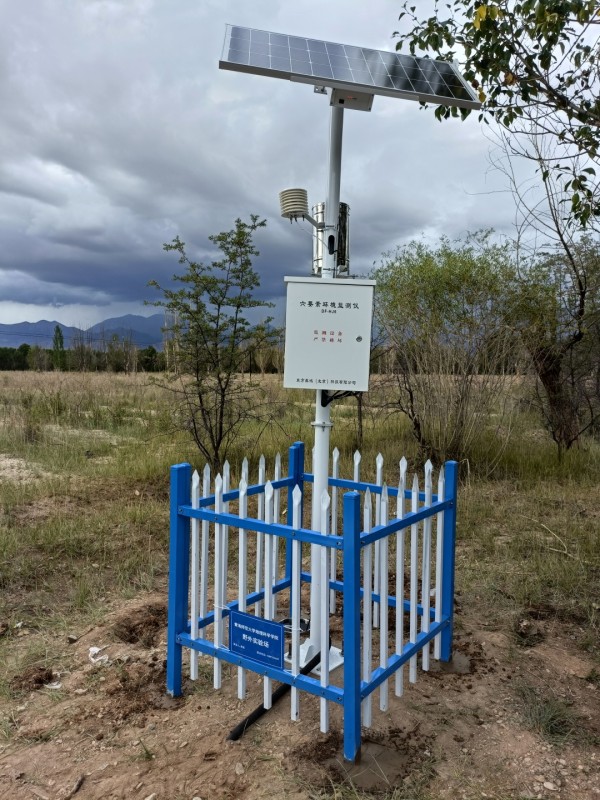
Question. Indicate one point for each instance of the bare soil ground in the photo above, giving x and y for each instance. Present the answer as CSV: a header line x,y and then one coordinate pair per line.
x,y
108,730
19,470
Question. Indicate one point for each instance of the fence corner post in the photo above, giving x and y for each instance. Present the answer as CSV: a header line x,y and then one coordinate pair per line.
x,y
179,572
352,680
296,472
450,493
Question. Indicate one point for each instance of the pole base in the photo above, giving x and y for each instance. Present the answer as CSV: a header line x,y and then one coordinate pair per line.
x,y
308,651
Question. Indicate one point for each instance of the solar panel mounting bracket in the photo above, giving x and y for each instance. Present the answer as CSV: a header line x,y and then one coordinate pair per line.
x,y
358,101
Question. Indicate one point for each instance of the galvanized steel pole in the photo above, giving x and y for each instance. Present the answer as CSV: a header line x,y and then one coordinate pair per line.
x,y
322,424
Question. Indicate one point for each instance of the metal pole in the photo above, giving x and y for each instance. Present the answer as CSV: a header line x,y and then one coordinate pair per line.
x,y
322,423
332,206
179,573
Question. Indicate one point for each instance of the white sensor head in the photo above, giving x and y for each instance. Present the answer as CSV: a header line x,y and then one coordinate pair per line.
x,y
294,203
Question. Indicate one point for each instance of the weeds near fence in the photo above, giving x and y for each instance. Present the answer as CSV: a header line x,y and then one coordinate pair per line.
x,y
145,754
546,714
414,787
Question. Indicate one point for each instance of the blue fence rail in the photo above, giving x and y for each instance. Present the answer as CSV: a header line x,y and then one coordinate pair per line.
x,y
353,545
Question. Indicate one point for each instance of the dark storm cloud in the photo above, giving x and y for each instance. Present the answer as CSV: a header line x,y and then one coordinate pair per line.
x,y
119,132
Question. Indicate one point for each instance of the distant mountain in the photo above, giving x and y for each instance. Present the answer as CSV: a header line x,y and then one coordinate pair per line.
x,y
149,326
39,333
142,331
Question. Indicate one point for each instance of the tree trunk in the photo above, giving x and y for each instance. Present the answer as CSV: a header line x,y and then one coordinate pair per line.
x,y
561,413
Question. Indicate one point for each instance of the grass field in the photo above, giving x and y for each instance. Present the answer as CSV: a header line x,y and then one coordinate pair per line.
x,y
84,463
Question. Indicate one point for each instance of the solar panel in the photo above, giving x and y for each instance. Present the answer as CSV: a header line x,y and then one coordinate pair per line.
x,y
345,66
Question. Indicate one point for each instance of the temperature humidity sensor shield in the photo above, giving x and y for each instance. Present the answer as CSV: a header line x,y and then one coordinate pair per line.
x,y
353,70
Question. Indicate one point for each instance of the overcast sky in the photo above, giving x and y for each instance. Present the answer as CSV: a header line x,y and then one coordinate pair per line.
x,y
118,132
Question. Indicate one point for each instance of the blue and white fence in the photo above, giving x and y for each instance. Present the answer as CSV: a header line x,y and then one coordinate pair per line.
x,y
394,553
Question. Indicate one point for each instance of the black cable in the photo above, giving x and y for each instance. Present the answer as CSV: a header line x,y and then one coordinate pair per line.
x,y
280,692
328,397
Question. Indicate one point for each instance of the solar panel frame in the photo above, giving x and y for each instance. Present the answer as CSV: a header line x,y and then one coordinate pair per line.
x,y
321,63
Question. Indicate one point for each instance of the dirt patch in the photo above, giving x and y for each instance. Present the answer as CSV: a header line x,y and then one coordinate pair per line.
x,y
17,470
31,679
320,749
61,433
44,508
143,625
528,633
133,691
459,733
387,759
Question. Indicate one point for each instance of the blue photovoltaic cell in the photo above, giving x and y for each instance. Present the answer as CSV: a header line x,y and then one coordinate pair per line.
x,y
328,63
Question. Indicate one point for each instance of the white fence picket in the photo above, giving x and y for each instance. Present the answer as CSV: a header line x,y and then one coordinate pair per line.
x,y
426,564
335,473
439,552
367,631
195,575
242,572
225,531
379,482
219,589
383,594
268,612
260,536
414,579
400,544
204,560
295,599
276,519
356,472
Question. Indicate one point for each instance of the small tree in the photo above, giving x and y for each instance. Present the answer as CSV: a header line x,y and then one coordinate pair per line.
x,y
82,354
115,354
554,304
553,299
535,67
264,347
148,359
58,349
440,312
21,356
37,358
213,337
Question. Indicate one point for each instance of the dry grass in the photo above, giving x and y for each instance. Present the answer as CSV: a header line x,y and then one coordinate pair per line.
x,y
89,520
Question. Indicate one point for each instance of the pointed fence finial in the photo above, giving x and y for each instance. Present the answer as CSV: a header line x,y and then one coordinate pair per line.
x,y
357,458
379,465
384,503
